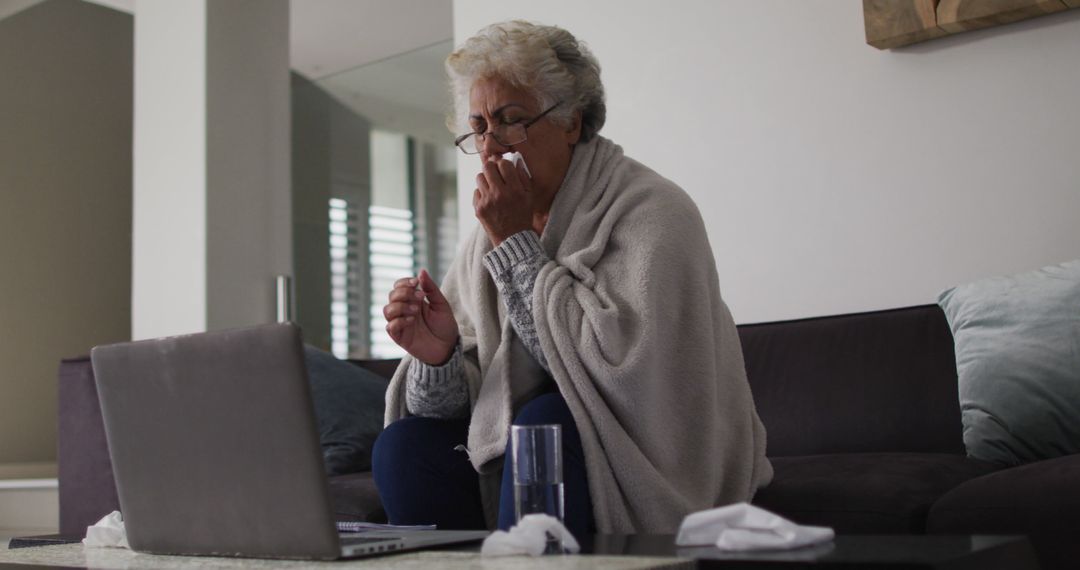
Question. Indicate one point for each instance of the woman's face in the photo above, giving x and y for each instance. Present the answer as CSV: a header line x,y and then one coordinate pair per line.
x,y
549,146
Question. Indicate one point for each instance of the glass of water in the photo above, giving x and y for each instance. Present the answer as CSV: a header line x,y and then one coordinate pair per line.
x,y
538,476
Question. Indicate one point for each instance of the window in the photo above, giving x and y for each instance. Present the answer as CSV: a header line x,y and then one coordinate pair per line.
x,y
345,272
392,257
410,224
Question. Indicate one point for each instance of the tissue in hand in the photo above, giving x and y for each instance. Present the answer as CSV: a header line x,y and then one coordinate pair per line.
x,y
515,157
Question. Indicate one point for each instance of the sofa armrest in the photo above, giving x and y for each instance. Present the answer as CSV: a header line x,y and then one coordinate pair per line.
x,y
87,488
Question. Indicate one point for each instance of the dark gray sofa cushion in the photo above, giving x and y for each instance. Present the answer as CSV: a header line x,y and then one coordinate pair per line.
x,y
355,498
1041,500
349,403
1038,496
865,493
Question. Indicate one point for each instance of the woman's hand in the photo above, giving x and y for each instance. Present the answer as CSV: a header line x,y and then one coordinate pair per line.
x,y
421,320
503,200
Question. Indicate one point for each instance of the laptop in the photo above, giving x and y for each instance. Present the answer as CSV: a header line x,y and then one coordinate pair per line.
x,y
215,450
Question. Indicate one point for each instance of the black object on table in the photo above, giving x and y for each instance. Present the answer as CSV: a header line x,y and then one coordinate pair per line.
x,y
43,540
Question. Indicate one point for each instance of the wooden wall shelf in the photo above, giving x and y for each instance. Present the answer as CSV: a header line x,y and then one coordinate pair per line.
x,y
895,23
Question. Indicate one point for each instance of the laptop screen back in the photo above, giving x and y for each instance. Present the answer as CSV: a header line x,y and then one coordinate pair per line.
x,y
214,444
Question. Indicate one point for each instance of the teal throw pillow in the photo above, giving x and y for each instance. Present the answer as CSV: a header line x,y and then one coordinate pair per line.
x,y
1018,361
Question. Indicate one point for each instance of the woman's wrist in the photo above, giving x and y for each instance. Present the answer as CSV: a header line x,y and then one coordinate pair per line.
x,y
445,360
515,249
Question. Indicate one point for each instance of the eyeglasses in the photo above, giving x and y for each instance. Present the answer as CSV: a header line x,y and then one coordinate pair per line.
x,y
505,134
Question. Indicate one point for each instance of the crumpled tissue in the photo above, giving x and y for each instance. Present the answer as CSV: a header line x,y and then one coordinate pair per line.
x,y
529,536
515,157
107,533
744,527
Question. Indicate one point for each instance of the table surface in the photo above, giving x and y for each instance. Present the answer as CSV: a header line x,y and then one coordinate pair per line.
x,y
614,552
76,556
938,552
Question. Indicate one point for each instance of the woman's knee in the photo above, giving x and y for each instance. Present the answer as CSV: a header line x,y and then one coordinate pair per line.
x,y
548,408
395,437
401,440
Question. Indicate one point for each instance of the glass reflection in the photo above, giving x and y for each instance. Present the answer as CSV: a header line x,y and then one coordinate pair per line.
x,y
374,194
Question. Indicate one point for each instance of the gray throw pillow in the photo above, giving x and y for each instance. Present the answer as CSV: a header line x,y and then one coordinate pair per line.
x,y
1018,360
349,403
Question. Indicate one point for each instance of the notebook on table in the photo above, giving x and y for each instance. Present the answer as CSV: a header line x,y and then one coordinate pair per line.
x,y
215,450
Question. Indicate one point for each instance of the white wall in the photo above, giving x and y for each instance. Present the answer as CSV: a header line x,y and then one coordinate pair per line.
x,y
212,221
333,36
249,202
389,170
11,7
65,212
169,235
28,507
834,177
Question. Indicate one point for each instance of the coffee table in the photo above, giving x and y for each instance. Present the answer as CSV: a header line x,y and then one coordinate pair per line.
x,y
52,554
879,552
846,552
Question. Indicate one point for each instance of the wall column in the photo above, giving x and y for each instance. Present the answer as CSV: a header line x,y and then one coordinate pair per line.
x,y
212,222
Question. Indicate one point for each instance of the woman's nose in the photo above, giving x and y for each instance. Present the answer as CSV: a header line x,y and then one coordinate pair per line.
x,y
491,147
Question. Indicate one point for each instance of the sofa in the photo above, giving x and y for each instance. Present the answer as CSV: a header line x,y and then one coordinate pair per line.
x,y
864,433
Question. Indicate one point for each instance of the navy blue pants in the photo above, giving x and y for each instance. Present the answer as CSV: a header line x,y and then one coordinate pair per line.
x,y
423,480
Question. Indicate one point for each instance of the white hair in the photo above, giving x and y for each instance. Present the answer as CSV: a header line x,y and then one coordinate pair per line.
x,y
546,61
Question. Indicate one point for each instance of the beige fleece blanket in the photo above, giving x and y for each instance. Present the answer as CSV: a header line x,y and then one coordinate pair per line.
x,y
642,347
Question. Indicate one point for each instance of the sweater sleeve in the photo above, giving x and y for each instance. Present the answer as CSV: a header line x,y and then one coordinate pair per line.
x,y
514,266
437,391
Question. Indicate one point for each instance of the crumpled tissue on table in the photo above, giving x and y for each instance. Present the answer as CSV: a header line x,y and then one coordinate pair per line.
x,y
743,527
107,533
529,536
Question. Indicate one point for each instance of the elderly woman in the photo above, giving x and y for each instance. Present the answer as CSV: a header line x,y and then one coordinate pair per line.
x,y
587,297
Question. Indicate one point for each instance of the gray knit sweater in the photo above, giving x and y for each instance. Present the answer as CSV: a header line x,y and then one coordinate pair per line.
x,y
440,391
